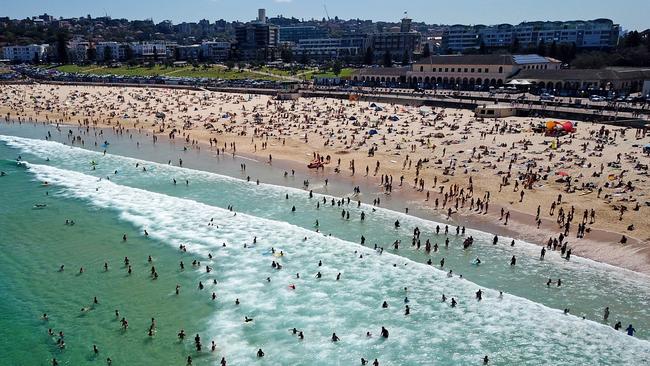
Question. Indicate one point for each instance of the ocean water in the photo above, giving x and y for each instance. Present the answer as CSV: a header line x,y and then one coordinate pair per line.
x,y
526,326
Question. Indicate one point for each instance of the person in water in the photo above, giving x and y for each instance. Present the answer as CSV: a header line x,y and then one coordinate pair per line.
x,y
260,353
335,338
630,330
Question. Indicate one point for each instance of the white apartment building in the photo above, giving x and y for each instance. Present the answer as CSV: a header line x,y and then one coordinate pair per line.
x,y
27,53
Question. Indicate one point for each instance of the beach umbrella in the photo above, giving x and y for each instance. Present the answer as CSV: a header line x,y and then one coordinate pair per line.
x,y
563,174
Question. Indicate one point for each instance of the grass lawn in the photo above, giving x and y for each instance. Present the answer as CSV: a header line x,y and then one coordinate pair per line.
x,y
345,72
274,71
184,71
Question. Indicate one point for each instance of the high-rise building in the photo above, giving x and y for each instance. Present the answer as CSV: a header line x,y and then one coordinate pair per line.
x,y
257,40
397,44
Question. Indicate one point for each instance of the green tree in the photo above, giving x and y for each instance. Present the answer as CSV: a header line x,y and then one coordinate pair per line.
x,y
304,59
552,51
62,47
108,54
286,54
426,52
405,58
514,46
230,64
481,48
632,39
128,53
91,54
337,67
541,48
388,59
369,57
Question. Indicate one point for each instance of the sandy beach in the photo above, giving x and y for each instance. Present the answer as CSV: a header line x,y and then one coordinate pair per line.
x,y
444,161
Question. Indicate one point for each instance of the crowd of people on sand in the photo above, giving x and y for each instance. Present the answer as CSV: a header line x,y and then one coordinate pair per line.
x,y
453,160
447,154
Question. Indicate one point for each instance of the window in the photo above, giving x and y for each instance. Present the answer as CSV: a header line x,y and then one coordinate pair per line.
x,y
446,69
500,69
487,70
452,69
480,70
421,68
465,69
472,70
440,69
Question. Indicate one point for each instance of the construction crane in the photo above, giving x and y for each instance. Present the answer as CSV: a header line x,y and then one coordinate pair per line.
x,y
326,13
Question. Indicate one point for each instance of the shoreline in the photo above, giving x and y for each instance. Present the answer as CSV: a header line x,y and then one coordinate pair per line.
x,y
600,245
479,222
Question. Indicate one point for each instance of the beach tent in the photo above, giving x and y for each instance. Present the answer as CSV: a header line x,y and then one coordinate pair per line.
x,y
555,127
393,118
646,149
373,105
568,126
372,132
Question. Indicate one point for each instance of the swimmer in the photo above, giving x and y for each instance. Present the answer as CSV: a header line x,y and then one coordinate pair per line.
x,y
384,332
260,353
247,319
335,338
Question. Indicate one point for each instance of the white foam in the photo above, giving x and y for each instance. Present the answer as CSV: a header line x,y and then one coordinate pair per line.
x,y
511,331
594,284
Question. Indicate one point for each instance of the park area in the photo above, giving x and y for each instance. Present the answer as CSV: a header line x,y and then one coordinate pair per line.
x,y
207,71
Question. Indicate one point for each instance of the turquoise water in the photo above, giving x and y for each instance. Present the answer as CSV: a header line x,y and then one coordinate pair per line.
x,y
525,327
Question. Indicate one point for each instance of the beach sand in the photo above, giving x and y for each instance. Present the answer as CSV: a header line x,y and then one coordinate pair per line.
x,y
452,146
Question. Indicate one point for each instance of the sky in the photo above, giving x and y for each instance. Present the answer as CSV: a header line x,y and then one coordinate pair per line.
x,y
631,14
